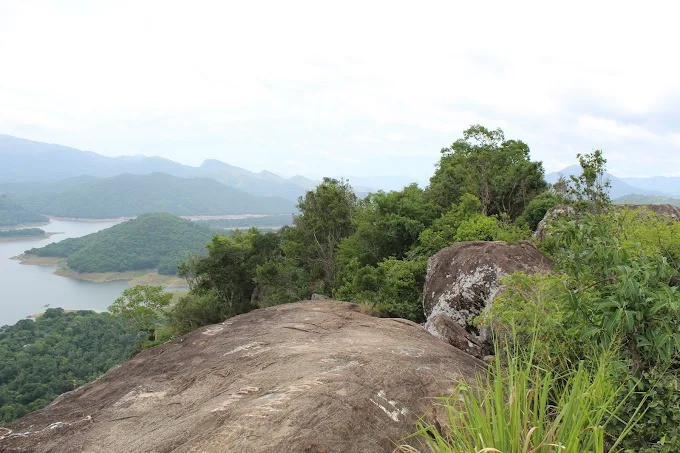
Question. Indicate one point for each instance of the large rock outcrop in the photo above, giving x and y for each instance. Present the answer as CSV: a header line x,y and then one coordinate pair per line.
x,y
462,281
305,377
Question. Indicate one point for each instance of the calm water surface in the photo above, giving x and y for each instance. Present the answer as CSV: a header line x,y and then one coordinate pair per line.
x,y
25,290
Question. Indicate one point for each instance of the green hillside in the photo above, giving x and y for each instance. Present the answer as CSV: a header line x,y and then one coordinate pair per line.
x,y
131,195
647,199
152,241
12,214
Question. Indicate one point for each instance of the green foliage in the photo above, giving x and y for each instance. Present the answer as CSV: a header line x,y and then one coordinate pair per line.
x,y
393,287
530,307
523,407
195,310
617,290
536,208
22,233
658,431
497,171
227,274
325,219
55,353
12,214
590,190
151,241
387,224
143,309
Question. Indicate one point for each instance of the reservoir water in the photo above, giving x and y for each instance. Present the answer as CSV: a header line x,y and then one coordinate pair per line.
x,y
28,289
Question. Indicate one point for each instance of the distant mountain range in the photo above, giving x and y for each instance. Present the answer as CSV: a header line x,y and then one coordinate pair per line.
x,y
620,187
24,160
129,195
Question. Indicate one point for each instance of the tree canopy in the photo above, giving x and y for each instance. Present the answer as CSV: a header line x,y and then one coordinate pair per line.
x,y
497,171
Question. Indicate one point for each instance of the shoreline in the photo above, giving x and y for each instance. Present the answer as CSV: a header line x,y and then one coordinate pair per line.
x,y
186,217
47,235
137,277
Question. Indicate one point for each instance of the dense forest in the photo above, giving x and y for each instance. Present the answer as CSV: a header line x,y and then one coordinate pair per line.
x,y
57,352
131,195
153,241
13,214
22,233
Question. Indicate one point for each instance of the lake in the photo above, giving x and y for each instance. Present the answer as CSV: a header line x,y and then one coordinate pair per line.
x,y
25,290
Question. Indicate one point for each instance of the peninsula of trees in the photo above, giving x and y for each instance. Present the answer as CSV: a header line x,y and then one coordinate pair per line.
x,y
158,241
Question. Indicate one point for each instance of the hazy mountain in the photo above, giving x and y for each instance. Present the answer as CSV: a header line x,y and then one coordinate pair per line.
x,y
661,184
30,161
619,186
131,195
12,214
647,199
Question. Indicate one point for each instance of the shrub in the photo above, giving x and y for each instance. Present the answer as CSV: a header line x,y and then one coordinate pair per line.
x,y
523,407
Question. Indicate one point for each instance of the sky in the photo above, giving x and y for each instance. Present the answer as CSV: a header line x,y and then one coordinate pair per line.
x,y
362,88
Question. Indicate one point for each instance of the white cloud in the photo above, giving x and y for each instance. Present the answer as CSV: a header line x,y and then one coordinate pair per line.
x,y
360,80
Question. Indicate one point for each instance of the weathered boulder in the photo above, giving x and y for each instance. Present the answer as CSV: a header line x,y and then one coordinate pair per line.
x,y
462,280
304,377
560,211
551,215
665,210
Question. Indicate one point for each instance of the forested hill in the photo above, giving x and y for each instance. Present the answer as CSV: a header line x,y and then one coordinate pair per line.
x,y
152,241
12,214
647,199
131,195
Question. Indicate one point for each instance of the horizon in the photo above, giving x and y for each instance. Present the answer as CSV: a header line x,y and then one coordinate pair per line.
x,y
314,90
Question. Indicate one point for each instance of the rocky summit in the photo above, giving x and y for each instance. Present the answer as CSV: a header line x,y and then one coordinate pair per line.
x,y
315,376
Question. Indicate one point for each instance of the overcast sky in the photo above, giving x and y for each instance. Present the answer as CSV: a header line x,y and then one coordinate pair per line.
x,y
344,88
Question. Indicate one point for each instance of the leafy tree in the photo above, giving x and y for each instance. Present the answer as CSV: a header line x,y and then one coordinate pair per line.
x,y
536,208
143,308
617,293
497,171
325,219
388,224
228,272
393,287
590,189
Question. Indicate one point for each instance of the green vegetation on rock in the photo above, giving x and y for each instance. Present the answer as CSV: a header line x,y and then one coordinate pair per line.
x,y
151,241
